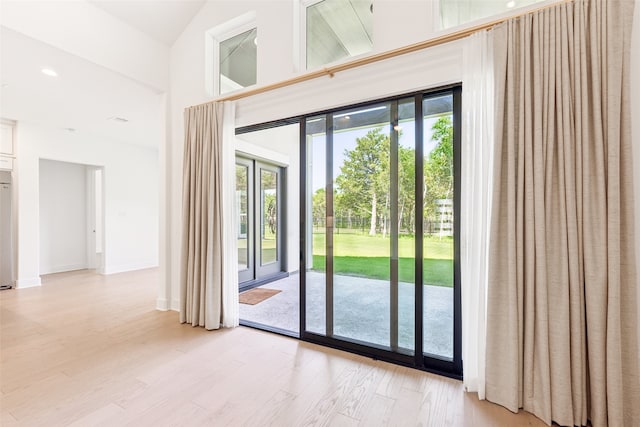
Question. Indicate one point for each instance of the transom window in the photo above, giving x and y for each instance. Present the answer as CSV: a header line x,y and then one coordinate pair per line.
x,y
232,55
459,12
337,29
237,62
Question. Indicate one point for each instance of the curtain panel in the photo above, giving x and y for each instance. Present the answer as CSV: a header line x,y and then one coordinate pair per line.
x,y
562,303
475,208
209,283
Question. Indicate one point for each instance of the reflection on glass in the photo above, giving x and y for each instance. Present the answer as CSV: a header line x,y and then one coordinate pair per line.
x,y
438,226
269,220
238,61
242,194
316,217
361,224
338,29
406,224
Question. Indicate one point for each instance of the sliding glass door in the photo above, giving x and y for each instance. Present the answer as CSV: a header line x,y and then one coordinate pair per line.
x,y
380,232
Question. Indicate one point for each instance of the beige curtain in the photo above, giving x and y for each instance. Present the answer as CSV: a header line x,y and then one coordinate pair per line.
x,y
201,273
561,309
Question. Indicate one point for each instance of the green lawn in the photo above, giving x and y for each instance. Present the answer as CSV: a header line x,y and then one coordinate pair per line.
x,y
368,256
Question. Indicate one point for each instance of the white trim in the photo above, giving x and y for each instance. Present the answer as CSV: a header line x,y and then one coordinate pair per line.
x,y
300,32
216,35
28,283
129,267
65,268
260,153
175,305
162,304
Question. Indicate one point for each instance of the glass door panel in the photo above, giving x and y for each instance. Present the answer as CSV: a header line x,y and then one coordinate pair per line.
x,y
269,220
316,210
361,224
242,203
406,208
438,238
244,190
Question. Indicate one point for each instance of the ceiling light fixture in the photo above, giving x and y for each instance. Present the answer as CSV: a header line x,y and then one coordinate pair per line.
x,y
118,119
49,72
511,4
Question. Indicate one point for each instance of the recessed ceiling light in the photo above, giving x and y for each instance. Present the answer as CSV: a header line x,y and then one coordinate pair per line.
x,y
118,119
49,72
511,4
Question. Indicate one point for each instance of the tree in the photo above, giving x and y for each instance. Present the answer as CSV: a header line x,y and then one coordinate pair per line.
x,y
364,176
438,167
319,206
406,188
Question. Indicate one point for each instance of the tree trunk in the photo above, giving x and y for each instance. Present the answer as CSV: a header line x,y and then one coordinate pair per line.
x,y
372,228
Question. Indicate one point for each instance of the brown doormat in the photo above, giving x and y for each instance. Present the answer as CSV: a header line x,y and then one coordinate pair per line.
x,y
257,295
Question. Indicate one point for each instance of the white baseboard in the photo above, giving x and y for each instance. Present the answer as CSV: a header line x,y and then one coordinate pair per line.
x,y
62,268
162,304
113,269
175,305
28,283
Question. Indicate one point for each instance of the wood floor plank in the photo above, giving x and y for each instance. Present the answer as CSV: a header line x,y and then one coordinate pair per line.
x,y
378,411
85,349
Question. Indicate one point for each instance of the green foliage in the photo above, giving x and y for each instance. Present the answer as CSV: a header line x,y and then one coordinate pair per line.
x,y
364,176
368,256
438,167
437,272
362,187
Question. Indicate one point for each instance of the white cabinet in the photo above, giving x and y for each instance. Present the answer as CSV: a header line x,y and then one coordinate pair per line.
x,y
7,144
6,139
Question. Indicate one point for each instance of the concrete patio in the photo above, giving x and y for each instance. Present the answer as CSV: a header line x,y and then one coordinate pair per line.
x,y
361,311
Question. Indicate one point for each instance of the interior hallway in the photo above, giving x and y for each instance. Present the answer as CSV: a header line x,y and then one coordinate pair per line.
x,y
86,349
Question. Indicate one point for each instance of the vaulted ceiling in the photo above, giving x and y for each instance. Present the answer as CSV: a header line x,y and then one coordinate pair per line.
x,y
162,20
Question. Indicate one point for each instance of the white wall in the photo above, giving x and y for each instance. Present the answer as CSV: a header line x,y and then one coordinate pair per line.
x,y
131,188
63,216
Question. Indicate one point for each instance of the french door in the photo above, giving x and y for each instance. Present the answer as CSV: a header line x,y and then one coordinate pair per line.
x,y
380,234
260,221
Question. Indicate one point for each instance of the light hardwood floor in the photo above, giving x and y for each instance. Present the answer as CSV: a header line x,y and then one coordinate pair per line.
x,y
86,350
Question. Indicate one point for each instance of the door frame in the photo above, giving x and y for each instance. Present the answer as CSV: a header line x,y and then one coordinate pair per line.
x,y
257,274
419,360
248,274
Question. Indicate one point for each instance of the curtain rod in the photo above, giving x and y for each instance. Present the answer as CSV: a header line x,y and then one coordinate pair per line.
x,y
332,70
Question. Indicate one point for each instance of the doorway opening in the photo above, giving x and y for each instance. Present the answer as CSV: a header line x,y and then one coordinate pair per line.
x,y
268,239
71,217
